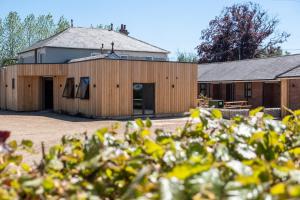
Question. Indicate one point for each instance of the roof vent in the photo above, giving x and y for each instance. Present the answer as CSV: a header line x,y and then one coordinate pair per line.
x,y
101,49
112,47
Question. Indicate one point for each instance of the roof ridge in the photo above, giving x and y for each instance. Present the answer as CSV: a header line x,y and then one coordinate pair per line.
x,y
48,40
278,76
126,36
143,42
250,59
54,39
57,35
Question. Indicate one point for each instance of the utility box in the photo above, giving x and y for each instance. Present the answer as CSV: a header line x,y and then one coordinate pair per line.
x,y
216,104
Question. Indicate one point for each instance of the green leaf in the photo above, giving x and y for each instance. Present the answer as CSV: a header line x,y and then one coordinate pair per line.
x,y
27,143
25,167
186,170
286,119
56,164
140,123
253,112
297,112
294,191
195,113
100,133
295,151
13,144
48,184
217,114
154,149
148,123
33,183
278,189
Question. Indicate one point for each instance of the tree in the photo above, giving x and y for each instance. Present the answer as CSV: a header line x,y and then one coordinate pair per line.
x,y
62,24
13,40
1,41
186,57
242,31
45,26
106,27
30,29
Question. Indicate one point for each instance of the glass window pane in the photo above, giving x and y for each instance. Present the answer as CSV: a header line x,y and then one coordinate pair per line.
x,y
83,91
69,88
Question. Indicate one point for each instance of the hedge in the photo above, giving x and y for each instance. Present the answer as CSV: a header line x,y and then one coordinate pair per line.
x,y
254,157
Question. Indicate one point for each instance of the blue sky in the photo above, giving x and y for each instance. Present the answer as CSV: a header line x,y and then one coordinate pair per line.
x,y
170,24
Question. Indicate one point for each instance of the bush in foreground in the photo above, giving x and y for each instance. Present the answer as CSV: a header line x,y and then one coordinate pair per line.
x,y
252,157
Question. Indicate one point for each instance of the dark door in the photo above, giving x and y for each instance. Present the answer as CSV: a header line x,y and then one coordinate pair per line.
x,y
271,95
48,93
216,92
143,98
230,92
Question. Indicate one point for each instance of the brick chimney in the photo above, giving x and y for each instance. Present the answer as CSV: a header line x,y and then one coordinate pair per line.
x,y
123,29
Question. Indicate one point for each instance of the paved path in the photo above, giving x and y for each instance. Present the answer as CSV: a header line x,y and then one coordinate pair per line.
x,y
50,127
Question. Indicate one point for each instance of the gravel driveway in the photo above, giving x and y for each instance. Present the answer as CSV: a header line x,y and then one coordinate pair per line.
x,y
49,127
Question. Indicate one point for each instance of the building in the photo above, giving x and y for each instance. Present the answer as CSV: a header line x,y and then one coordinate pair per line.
x,y
74,43
100,87
269,82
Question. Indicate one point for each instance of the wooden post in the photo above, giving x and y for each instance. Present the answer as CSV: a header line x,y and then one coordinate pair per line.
x,y
284,96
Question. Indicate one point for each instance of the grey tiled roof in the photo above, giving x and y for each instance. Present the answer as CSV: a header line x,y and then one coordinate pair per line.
x,y
93,38
292,73
247,70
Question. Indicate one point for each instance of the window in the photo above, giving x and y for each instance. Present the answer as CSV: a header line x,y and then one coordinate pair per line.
x,y
13,83
83,91
148,58
203,89
69,90
248,90
159,59
124,57
41,58
21,60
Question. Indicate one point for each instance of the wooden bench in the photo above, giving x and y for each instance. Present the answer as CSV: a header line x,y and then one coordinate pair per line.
x,y
237,105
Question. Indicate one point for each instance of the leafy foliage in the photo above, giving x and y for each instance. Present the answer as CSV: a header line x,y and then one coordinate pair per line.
x,y
17,34
253,157
242,31
186,57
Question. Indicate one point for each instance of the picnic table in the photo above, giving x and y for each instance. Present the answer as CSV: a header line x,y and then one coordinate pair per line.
x,y
201,102
237,105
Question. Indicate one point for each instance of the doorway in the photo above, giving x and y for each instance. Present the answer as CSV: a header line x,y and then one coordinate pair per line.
x,y
216,91
271,95
230,92
143,98
48,93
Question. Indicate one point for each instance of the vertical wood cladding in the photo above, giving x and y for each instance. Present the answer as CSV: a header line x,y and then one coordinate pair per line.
x,y
110,89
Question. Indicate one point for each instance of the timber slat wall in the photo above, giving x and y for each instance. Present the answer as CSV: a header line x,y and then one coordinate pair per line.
x,y
175,86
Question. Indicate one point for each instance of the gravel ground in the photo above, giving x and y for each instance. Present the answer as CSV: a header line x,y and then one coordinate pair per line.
x,y
49,127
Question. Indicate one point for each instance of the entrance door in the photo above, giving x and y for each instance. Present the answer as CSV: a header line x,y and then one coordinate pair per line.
x,y
271,95
230,92
216,91
48,93
143,98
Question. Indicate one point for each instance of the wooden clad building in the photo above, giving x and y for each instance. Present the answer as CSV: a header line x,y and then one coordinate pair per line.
x,y
100,87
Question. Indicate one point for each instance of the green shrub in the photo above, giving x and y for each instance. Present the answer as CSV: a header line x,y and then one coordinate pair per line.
x,y
252,157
